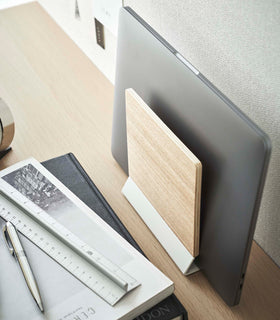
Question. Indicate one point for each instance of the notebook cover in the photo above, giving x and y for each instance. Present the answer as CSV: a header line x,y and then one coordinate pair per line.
x,y
69,171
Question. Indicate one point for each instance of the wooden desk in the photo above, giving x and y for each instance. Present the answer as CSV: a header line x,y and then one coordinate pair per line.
x,y
61,102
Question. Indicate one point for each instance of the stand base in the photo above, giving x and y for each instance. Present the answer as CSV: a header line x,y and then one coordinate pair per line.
x,y
4,152
170,242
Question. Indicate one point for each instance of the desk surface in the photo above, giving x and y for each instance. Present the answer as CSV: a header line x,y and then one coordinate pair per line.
x,y
61,102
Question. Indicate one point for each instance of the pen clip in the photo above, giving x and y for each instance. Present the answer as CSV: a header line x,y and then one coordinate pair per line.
x,y
7,240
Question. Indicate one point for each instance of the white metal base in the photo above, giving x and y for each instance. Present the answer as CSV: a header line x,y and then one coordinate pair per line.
x,y
170,242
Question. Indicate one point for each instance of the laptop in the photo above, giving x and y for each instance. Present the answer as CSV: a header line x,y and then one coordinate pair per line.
x,y
233,150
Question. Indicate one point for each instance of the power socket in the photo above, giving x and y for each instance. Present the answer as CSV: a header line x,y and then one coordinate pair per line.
x,y
99,30
107,13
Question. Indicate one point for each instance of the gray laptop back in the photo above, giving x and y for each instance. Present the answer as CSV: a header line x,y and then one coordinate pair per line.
x,y
234,152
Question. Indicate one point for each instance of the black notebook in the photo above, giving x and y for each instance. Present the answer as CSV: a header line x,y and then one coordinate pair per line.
x,y
69,171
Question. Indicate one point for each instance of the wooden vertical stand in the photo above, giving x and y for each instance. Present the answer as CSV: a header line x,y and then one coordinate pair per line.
x,y
164,183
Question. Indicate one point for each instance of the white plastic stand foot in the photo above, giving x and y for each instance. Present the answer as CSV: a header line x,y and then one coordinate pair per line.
x,y
170,242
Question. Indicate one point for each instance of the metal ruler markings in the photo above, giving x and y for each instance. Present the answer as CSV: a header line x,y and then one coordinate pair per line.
x,y
98,273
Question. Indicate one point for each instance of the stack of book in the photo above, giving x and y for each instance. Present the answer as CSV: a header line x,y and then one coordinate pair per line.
x,y
63,190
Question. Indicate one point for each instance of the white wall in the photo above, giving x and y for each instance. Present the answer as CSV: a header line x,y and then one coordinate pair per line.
x,y
83,32
235,44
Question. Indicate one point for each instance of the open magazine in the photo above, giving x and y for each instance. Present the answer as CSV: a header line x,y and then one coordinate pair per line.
x,y
64,295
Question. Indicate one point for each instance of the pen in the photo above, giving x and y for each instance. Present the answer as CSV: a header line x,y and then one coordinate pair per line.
x,y
16,249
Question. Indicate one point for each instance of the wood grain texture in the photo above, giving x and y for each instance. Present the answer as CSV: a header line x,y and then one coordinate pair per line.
x,y
165,170
61,102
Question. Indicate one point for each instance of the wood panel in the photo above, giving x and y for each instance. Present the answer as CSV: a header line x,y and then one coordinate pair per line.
x,y
165,170
61,102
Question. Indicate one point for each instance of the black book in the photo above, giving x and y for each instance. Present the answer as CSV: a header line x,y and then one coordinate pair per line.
x,y
69,171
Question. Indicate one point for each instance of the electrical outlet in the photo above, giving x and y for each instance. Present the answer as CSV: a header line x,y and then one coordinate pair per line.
x,y
107,13
99,30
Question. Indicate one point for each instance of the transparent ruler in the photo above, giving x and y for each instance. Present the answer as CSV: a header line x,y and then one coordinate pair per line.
x,y
98,273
